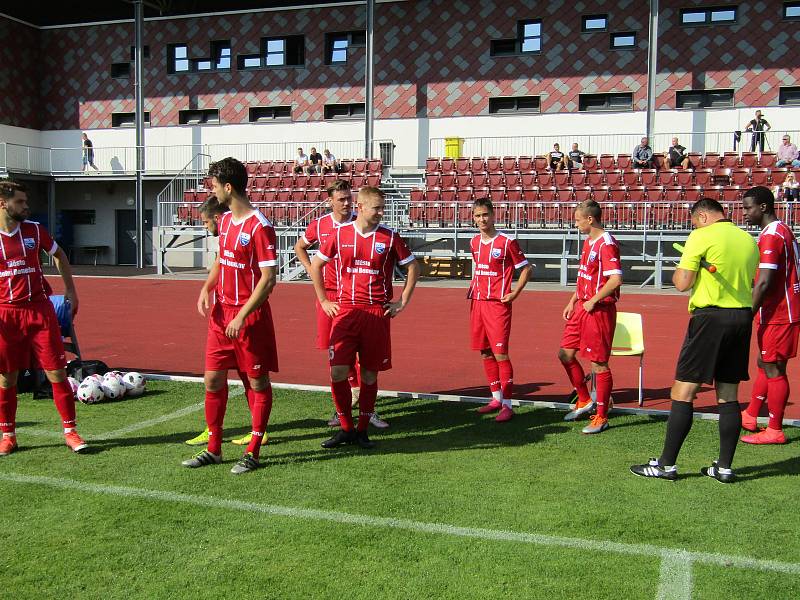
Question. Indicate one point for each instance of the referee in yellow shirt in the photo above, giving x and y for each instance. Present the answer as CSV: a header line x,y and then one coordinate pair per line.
x,y
717,344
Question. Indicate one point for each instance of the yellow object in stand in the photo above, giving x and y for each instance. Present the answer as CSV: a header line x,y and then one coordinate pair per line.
x,y
453,147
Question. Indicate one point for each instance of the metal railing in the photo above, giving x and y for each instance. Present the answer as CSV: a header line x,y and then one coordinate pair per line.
x,y
190,177
611,143
161,160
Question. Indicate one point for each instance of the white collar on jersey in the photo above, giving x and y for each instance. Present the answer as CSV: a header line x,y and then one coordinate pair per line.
x,y
11,233
243,219
345,222
368,234
491,239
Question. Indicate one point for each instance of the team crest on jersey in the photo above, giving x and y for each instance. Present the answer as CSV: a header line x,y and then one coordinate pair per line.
x,y
496,252
380,247
244,238
30,243
592,255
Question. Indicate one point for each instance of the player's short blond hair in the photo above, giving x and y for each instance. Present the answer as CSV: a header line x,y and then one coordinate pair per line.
x,y
9,187
369,191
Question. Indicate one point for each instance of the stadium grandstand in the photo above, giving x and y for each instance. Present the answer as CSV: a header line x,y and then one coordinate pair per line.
x,y
436,115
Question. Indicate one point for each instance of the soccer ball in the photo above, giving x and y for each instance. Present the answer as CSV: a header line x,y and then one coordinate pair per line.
x,y
89,391
97,377
134,383
73,383
112,388
113,375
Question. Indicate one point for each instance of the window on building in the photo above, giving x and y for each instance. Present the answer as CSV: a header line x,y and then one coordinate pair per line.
x,y
248,61
221,54
791,10
283,52
528,40
337,44
513,105
623,41
694,99
709,16
344,111
121,70
592,23
198,116
127,119
605,102
263,114
789,96
178,58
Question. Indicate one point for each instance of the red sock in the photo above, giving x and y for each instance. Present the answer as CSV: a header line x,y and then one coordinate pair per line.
x,y
247,391
8,409
216,402
366,404
577,377
777,397
354,376
343,401
64,400
506,378
492,370
604,382
758,395
262,405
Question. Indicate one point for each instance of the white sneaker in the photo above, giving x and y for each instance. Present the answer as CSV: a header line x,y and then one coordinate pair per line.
x,y
377,422
577,413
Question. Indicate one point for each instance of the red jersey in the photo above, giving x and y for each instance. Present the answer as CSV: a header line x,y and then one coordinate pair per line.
x,y
365,263
244,247
494,262
777,247
599,261
21,277
317,232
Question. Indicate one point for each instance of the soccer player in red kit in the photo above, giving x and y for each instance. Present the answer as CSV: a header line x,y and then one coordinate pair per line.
x,y
776,302
591,316
241,335
365,254
29,327
340,197
495,256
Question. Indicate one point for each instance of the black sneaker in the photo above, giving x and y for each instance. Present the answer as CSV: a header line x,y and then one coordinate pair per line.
x,y
362,439
246,464
340,438
653,469
718,473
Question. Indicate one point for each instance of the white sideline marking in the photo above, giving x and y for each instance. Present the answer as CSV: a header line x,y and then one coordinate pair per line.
x,y
675,581
648,550
454,398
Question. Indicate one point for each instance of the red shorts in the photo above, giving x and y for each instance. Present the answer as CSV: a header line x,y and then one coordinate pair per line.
x,y
324,322
591,333
30,337
362,330
490,325
254,352
777,342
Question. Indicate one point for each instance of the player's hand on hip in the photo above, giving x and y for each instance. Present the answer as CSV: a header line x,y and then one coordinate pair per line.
x,y
331,308
568,310
588,306
507,299
393,309
234,327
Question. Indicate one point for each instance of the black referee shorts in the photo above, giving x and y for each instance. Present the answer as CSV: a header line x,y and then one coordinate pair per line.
x,y
717,346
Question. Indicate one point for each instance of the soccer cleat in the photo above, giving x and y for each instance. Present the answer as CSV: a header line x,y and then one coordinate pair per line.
x,y
245,464
653,469
766,436
8,445
334,421
201,459
580,410
491,407
377,422
506,414
340,438
749,423
245,439
75,442
199,440
597,425
718,473
362,439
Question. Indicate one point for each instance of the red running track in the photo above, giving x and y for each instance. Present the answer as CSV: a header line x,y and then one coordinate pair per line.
x,y
152,325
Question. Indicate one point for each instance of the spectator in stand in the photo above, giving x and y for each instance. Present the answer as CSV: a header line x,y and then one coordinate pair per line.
x,y
557,159
787,154
329,162
315,160
300,162
642,157
88,153
676,156
576,157
758,126
789,190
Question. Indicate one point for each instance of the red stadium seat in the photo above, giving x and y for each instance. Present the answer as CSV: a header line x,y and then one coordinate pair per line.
x,y
693,193
477,165
480,180
300,181
545,179
416,208
702,177
314,182
347,165
582,194
447,180
561,178
730,193
673,194
778,176
528,180
617,194
494,165
759,176
630,177
511,179
252,168
654,193
624,162
358,182
448,165
590,162
432,165
463,180
464,194
767,160
279,167
648,177
614,178
730,160
374,166
684,178
496,180
540,163
740,177
509,164
595,178
462,165
607,162
525,164
448,207
578,177
711,160
497,195
359,166
563,194
695,160
374,179
749,160
188,196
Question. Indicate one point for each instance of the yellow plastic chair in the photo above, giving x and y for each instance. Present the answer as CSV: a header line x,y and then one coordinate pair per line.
x,y
629,341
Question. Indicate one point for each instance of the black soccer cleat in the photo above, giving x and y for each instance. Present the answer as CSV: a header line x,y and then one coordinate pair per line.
x,y
340,438
653,469
718,473
362,439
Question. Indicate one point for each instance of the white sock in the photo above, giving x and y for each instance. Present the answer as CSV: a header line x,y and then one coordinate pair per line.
x,y
69,429
9,434
506,403
498,395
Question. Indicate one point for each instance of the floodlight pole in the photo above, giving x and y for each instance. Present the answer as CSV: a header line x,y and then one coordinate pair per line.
x,y
139,29
369,82
652,59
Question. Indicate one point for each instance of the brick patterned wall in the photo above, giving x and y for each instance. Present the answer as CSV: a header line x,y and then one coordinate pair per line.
x,y
19,75
432,59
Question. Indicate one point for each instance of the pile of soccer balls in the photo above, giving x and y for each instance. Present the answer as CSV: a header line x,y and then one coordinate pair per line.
x,y
112,385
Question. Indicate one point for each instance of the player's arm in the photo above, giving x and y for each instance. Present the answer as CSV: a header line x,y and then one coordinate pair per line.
x,y
570,307
683,279
65,270
610,260
204,300
609,287
522,280
318,279
685,273
411,268
766,277
771,257
301,247
261,292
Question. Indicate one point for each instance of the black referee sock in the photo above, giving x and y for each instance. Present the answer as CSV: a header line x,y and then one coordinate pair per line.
x,y
730,426
678,426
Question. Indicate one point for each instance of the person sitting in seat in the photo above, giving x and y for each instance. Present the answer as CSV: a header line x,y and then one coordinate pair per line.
x,y
576,157
314,161
676,156
642,156
329,162
300,162
557,159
